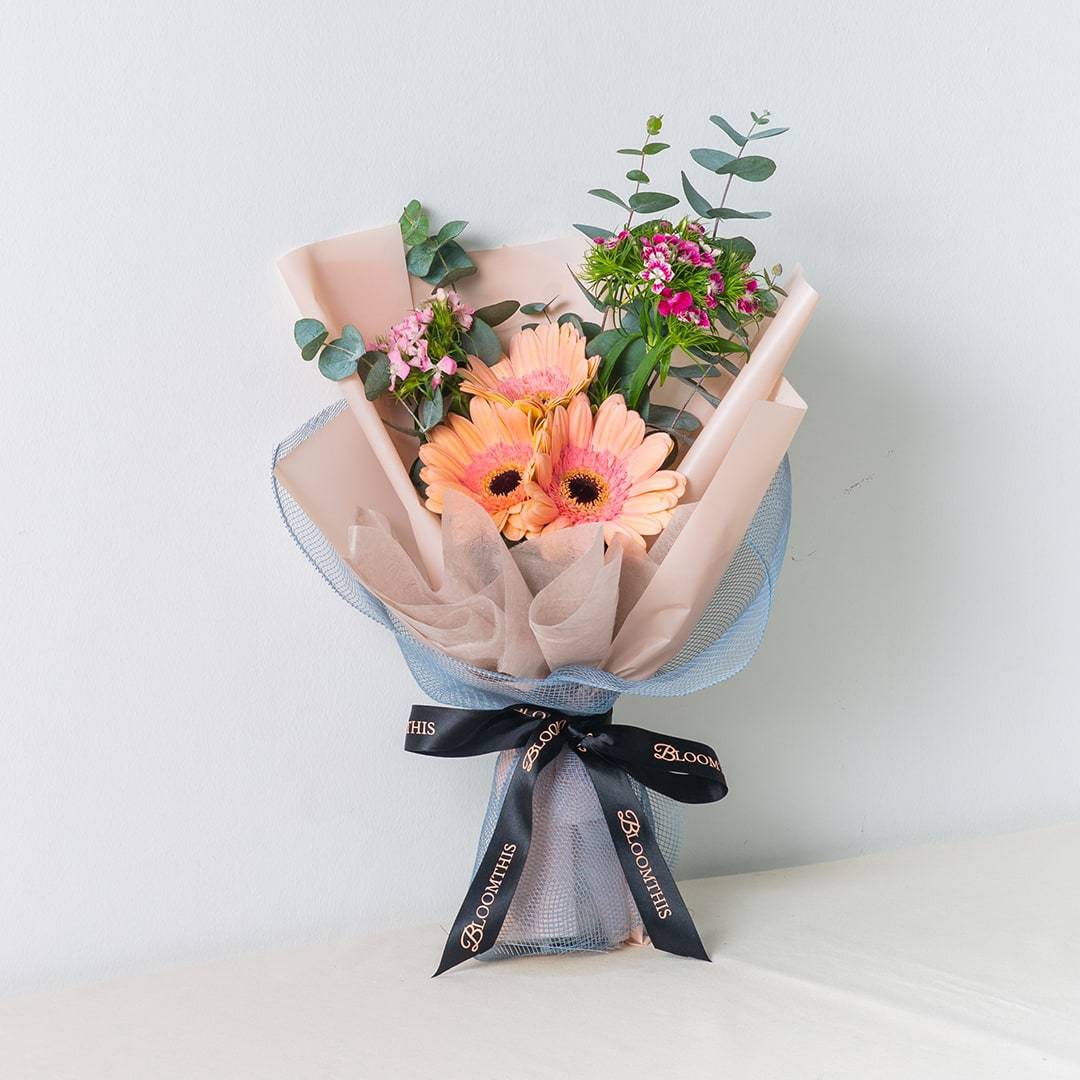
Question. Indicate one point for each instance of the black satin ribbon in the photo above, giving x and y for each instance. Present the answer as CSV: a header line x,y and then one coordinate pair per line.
x,y
612,754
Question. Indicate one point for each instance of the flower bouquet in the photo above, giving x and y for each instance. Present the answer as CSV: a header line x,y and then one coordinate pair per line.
x,y
550,501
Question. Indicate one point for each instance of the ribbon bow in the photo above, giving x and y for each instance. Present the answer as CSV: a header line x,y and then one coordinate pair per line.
x,y
612,753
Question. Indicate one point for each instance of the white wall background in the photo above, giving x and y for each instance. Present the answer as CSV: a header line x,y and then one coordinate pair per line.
x,y
200,744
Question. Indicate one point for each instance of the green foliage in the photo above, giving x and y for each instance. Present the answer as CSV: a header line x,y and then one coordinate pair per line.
x,y
431,412
595,301
574,321
673,421
377,379
450,264
638,201
725,214
736,138
413,223
340,358
306,331
698,201
753,168
480,341
652,202
439,260
448,232
610,196
769,133
594,233
494,314
713,160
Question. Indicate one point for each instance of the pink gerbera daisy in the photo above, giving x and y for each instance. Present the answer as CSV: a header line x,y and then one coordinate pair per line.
x,y
602,470
546,367
489,458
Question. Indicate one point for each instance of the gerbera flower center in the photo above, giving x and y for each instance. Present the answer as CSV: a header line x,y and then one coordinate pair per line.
x,y
545,385
586,488
588,484
497,475
503,481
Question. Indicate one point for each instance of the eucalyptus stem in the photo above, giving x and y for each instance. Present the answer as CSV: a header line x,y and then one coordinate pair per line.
x,y
637,186
731,176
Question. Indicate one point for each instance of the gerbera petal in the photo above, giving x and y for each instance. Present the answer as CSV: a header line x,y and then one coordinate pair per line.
x,y
545,367
489,458
580,421
604,470
649,456
660,481
650,503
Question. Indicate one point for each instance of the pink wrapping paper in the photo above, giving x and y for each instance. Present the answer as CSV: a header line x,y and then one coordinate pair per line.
x,y
560,599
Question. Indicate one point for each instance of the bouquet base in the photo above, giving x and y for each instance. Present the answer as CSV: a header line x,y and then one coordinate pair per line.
x,y
573,895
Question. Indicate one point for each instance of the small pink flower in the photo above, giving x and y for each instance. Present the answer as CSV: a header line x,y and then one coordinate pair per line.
x,y
446,366
463,313
680,302
421,359
399,369
752,285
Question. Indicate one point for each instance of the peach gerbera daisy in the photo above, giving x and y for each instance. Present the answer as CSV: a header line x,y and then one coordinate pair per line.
x,y
489,458
603,469
545,367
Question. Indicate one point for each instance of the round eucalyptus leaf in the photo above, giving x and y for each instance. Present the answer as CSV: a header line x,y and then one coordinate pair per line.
x,y
753,168
449,231
480,341
307,330
418,261
449,264
711,159
311,349
337,363
413,223
431,412
377,379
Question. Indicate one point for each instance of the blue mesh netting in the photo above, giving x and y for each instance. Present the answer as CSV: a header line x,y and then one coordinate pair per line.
x,y
572,894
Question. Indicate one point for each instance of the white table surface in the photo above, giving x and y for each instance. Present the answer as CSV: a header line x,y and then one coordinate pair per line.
x,y
952,961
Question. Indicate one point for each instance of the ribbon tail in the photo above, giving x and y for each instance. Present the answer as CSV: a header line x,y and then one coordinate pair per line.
x,y
656,896
476,928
